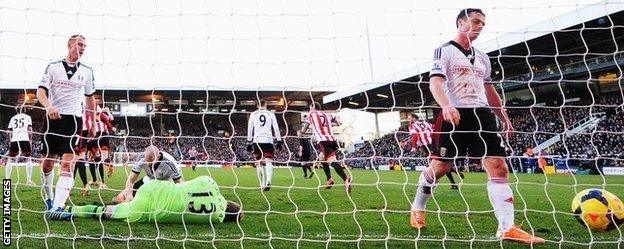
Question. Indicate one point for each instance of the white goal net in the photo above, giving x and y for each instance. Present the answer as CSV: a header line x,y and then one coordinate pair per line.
x,y
185,76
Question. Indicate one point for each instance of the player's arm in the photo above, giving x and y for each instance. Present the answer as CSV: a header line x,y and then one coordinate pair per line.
x,y
42,95
275,127
497,107
132,177
51,111
437,79
105,118
177,176
90,104
276,131
449,112
90,113
10,129
415,138
30,134
250,129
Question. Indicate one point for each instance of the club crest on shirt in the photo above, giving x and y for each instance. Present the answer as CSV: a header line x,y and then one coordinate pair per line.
x,y
436,66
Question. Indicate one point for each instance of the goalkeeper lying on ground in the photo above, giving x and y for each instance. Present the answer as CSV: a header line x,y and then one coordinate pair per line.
x,y
195,201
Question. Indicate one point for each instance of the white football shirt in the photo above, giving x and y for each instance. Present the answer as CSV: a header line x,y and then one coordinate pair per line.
x,y
465,72
68,94
19,126
262,126
164,168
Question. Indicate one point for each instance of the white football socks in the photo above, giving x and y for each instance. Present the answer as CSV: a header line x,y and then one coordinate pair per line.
x,y
47,178
29,169
260,173
426,185
63,187
8,167
269,172
502,201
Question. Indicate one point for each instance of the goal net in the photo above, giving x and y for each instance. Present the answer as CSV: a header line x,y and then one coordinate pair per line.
x,y
185,76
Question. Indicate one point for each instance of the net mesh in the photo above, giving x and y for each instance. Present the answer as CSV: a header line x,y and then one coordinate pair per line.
x,y
186,74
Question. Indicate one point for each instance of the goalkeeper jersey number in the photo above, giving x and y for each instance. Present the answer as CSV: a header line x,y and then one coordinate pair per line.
x,y
195,201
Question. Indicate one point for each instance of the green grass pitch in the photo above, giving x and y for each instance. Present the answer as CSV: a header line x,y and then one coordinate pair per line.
x,y
297,213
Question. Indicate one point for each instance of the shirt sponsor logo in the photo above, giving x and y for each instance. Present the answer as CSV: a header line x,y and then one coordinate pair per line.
x,y
68,84
465,70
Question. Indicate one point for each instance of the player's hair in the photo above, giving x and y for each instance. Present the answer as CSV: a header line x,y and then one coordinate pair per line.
x,y
74,37
413,115
262,102
464,13
316,105
232,212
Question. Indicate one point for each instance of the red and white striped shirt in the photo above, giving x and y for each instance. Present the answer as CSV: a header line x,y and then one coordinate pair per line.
x,y
104,123
85,122
322,125
422,133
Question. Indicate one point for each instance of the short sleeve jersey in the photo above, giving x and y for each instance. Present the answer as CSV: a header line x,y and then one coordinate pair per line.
x,y
262,127
67,94
19,127
164,168
322,123
465,72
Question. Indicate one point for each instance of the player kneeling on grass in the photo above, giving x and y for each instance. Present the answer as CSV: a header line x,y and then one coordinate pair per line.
x,y
195,201
158,165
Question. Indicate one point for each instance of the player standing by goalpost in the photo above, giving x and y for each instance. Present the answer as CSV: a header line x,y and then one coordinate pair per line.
x,y
460,83
62,90
20,137
261,129
322,124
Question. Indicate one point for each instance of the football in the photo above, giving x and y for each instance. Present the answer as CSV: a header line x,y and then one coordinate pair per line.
x,y
598,209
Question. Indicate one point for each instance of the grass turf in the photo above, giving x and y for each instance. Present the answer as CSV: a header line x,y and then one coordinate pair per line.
x,y
298,212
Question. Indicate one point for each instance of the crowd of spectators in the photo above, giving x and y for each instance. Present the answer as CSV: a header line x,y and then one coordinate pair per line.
x,y
221,138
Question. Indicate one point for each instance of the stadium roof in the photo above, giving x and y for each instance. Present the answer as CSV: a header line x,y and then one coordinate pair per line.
x,y
497,47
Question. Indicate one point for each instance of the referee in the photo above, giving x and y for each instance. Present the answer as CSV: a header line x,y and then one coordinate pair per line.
x,y
305,154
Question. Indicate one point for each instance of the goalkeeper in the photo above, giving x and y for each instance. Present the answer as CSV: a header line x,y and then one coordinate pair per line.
x,y
195,201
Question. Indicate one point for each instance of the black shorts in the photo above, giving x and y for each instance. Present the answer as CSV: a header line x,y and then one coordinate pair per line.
x,y
82,144
261,150
21,147
428,149
476,135
305,157
101,142
62,135
328,148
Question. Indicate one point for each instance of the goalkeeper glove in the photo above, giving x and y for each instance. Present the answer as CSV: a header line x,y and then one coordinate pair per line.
x,y
279,144
249,148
